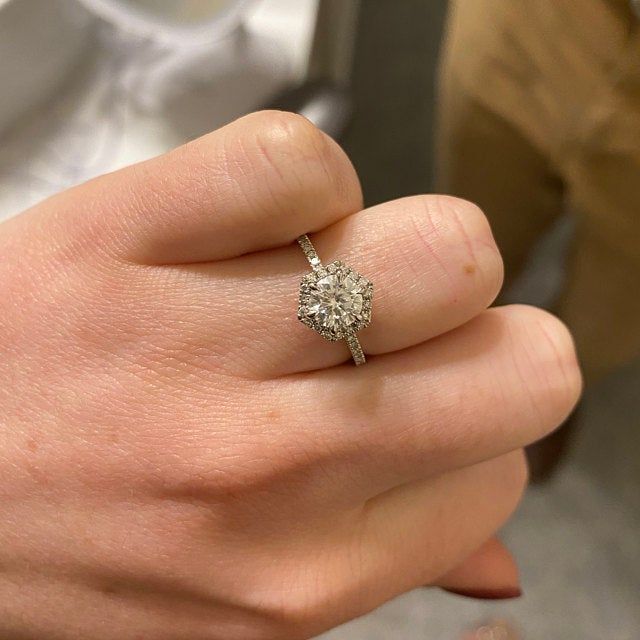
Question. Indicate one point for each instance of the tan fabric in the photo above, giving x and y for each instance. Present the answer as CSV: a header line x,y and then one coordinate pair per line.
x,y
540,111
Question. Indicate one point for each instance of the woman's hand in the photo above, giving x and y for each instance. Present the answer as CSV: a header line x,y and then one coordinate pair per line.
x,y
182,458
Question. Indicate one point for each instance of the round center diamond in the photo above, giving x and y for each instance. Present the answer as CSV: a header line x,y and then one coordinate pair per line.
x,y
335,301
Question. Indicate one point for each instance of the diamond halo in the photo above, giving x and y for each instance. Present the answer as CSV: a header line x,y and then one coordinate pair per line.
x,y
335,300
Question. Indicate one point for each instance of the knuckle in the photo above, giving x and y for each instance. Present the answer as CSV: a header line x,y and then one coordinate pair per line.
x,y
469,215
434,220
549,353
459,231
299,155
289,138
286,126
467,221
227,483
506,479
515,475
294,613
473,230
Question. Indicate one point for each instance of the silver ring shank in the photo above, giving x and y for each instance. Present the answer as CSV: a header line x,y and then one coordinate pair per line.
x,y
309,251
356,349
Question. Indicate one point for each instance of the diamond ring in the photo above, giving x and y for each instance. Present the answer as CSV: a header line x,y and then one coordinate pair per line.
x,y
334,300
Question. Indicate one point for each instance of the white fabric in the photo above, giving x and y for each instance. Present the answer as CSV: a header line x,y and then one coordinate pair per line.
x,y
140,85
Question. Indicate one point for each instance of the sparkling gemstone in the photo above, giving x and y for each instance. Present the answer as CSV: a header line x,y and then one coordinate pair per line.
x,y
336,301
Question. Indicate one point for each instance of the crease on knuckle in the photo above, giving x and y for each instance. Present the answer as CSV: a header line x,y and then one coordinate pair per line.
x,y
457,243
301,157
563,356
429,230
543,354
472,227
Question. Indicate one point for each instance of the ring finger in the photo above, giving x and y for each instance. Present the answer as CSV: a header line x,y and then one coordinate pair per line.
x,y
432,260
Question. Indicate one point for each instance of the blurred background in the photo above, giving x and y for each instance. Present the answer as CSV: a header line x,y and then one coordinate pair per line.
x,y
530,108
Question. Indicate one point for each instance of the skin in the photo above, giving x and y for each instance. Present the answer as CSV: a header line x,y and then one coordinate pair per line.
x,y
181,458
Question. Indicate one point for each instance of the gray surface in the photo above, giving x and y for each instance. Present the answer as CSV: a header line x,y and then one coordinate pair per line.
x,y
393,91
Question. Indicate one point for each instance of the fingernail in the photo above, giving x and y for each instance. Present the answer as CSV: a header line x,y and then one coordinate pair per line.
x,y
488,594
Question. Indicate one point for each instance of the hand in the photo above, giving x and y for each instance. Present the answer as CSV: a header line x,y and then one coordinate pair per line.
x,y
182,458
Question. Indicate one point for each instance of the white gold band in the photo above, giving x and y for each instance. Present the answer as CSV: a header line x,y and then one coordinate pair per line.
x,y
356,349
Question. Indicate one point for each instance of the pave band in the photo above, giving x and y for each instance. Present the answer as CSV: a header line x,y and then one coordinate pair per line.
x,y
309,251
334,300
356,349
